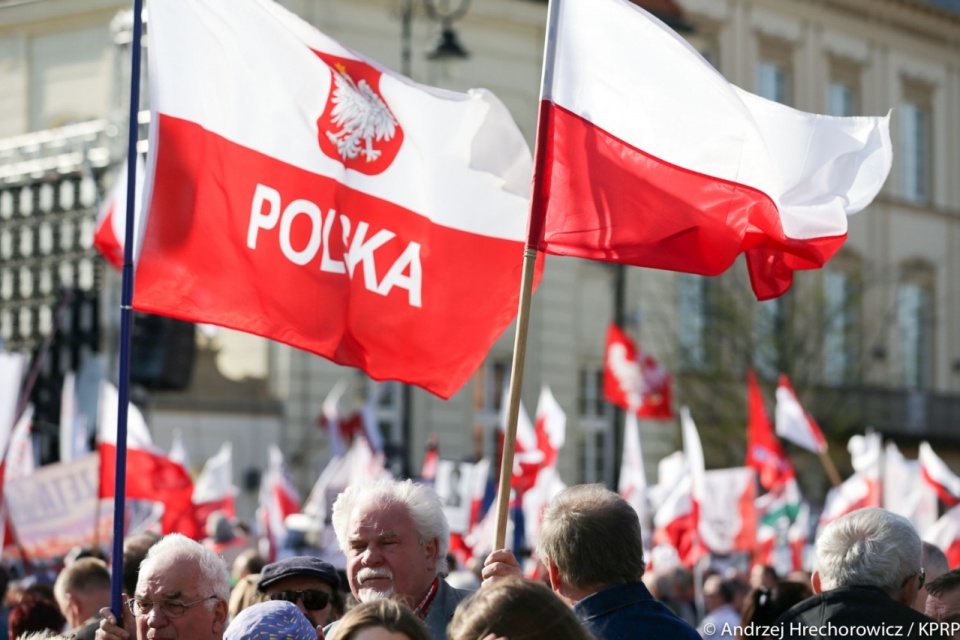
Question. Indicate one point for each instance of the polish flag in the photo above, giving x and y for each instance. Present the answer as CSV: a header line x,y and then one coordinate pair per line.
x,y
693,452
633,380
674,521
862,489
764,451
278,499
527,458
648,156
151,474
20,460
945,533
939,476
727,515
300,192
112,220
12,367
214,489
795,424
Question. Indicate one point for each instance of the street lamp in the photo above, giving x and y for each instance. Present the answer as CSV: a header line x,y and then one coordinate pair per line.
x,y
448,46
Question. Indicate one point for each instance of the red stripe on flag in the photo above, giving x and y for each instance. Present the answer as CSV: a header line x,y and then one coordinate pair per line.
x,y
611,201
195,264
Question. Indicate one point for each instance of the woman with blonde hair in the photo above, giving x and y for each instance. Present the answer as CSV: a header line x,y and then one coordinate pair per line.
x,y
380,620
517,609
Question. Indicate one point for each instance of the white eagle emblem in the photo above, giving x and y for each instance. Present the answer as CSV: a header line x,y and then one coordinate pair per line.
x,y
362,116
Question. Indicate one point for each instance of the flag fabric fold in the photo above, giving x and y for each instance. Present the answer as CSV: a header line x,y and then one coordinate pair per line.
x,y
112,220
300,192
647,156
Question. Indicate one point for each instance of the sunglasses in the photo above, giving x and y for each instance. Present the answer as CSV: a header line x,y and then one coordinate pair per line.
x,y
312,599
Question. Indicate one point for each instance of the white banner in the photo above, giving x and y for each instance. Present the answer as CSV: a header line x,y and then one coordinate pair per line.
x,y
53,509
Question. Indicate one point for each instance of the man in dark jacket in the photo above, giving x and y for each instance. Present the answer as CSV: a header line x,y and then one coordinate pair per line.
x,y
591,546
867,577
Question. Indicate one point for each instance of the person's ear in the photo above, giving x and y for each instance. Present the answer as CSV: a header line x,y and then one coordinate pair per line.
x,y
553,573
219,617
432,550
815,582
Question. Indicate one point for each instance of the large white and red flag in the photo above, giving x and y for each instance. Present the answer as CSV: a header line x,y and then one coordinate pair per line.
x,y
301,192
938,475
112,219
795,424
634,380
151,474
652,158
764,451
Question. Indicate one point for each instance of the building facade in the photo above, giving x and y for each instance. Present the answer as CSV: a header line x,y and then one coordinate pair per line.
x,y
871,340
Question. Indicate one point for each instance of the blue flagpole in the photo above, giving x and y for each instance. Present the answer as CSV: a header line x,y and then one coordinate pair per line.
x,y
126,320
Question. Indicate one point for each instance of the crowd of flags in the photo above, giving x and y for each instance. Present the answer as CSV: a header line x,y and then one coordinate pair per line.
x,y
284,161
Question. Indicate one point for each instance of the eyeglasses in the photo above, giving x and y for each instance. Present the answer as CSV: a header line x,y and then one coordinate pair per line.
x,y
141,607
312,599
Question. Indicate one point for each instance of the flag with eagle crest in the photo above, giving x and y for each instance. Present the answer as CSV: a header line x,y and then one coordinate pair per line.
x,y
302,192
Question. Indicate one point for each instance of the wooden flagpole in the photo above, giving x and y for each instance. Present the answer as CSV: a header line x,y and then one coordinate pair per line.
x,y
831,470
516,383
541,193
126,321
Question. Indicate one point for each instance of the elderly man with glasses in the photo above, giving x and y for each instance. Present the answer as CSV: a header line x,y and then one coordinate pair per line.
x,y
181,594
867,577
308,582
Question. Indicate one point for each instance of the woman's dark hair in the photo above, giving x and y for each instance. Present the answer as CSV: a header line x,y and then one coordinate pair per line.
x,y
34,614
392,616
762,606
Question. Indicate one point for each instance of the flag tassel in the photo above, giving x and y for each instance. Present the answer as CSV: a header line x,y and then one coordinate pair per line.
x,y
516,384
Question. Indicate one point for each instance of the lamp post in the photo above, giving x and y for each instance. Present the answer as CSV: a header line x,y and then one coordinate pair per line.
x,y
448,45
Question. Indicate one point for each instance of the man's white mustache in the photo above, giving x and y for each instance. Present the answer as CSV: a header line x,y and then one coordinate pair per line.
x,y
367,573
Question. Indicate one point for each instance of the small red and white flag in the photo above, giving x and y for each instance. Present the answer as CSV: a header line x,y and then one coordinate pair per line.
x,y
674,521
632,484
301,192
278,499
112,220
527,458
651,158
727,515
214,489
795,424
634,380
151,474
862,489
764,451
20,460
905,491
938,475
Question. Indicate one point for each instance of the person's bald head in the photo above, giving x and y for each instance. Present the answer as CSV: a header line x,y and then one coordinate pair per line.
x,y
934,563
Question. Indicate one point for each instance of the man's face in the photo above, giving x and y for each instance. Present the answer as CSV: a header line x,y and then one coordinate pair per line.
x,y
178,580
944,607
385,556
322,616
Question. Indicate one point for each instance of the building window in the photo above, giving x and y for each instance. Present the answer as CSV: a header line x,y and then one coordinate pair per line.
x,y
695,311
596,441
841,323
775,72
843,91
915,151
389,419
767,329
915,327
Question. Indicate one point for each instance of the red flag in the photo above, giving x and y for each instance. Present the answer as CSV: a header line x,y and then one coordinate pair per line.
x,y
151,474
634,380
319,199
649,157
764,451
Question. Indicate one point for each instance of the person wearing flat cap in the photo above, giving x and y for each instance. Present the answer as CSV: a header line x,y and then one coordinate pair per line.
x,y
308,582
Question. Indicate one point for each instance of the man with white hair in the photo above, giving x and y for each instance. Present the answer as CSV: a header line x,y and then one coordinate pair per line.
x,y
395,537
182,593
866,581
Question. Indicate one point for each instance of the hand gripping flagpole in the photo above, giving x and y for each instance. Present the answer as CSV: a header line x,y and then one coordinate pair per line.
x,y
541,179
126,320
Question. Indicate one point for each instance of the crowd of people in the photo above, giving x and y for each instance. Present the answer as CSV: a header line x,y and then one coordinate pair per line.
x,y
873,578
